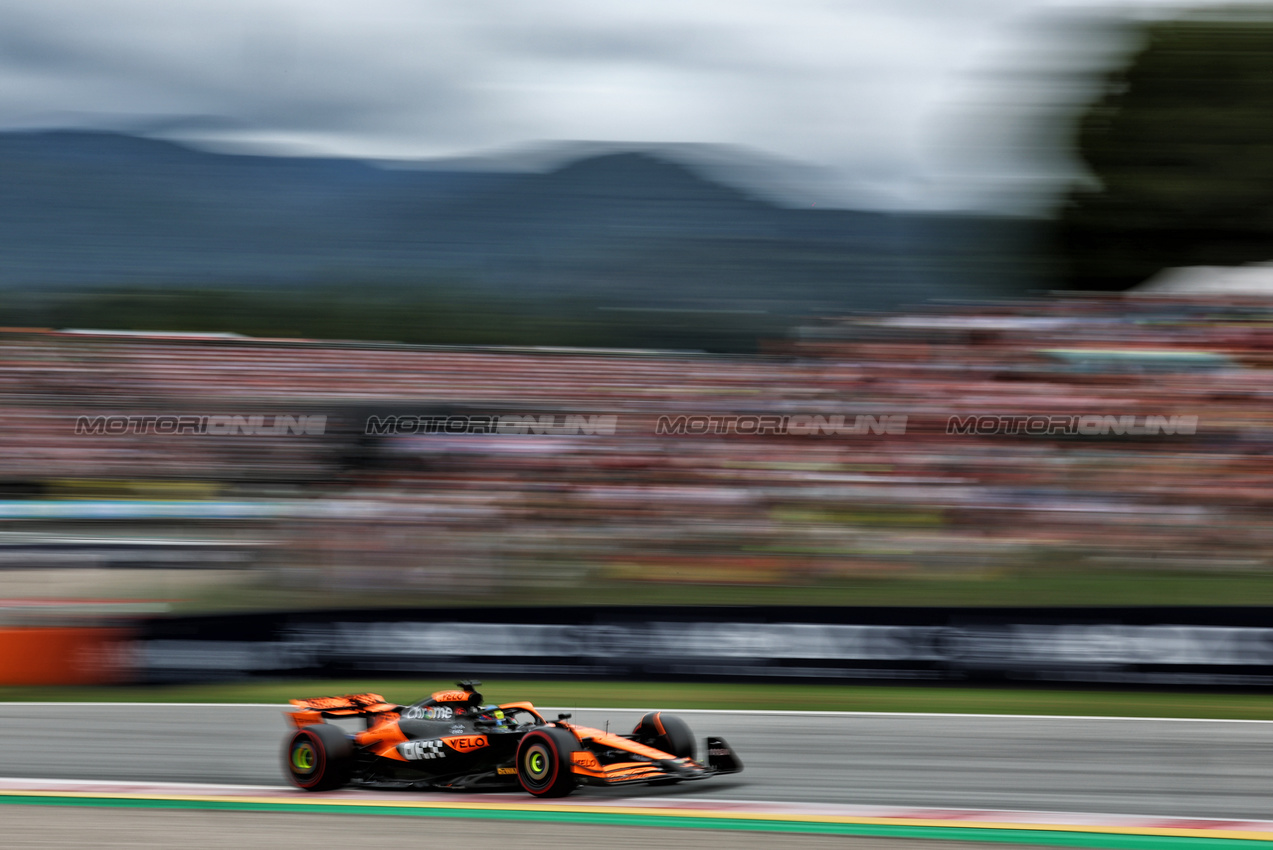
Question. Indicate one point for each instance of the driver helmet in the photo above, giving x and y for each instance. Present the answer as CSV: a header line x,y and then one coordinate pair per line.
x,y
491,714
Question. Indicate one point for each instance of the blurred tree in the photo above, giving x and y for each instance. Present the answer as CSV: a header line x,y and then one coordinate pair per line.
x,y
1181,142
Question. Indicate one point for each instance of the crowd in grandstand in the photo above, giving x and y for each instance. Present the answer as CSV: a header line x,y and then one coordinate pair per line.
x,y
1136,431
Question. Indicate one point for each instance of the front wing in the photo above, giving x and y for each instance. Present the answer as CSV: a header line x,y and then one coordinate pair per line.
x,y
590,770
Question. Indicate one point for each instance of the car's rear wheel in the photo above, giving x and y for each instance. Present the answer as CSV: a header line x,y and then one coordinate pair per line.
x,y
666,732
543,762
319,758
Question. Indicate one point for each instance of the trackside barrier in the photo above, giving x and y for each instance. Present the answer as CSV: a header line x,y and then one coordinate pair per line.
x,y
65,656
1170,647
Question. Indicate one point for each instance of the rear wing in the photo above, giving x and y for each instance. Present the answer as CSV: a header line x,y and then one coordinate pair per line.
x,y
313,710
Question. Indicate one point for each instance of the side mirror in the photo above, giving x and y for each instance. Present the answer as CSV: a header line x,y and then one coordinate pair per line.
x,y
565,716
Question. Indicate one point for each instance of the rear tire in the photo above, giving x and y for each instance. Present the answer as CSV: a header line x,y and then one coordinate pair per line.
x,y
319,758
666,732
543,762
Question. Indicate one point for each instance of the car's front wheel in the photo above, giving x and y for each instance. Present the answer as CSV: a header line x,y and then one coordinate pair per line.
x,y
666,732
543,762
319,758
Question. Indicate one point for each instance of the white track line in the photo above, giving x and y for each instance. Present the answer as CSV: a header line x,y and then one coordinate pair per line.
x,y
725,711
10,782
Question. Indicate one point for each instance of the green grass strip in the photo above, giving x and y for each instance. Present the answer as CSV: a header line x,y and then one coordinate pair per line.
x,y
1112,841
674,695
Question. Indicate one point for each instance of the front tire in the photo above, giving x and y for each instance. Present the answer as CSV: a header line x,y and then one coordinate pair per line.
x,y
666,732
543,762
319,758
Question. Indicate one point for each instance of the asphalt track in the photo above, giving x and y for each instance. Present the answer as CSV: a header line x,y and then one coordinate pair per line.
x,y
1196,769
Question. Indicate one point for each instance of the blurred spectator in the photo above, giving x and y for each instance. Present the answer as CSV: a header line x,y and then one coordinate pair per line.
x,y
463,514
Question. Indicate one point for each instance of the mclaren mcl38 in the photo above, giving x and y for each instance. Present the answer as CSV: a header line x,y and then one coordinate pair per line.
x,y
454,739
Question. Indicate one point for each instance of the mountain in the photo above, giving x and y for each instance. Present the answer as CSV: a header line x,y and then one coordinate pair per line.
x,y
632,230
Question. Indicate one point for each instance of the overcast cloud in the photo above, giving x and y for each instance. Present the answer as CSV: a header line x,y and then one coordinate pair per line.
x,y
911,103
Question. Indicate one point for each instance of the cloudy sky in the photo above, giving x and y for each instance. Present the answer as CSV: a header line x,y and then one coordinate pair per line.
x,y
890,103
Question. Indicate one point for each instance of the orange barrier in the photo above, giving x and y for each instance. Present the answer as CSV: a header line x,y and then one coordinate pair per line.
x,y
64,656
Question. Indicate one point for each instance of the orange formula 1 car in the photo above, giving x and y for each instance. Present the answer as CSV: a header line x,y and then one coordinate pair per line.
x,y
453,740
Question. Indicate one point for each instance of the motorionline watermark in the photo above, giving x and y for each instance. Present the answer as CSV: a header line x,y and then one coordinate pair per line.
x,y
546,424
574,424
252,425
796,424
1084,425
